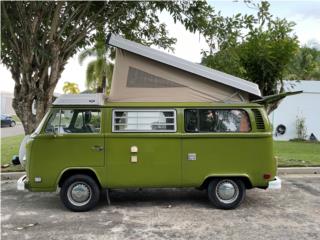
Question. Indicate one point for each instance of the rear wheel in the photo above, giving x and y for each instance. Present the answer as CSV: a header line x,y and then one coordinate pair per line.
x,y
226,193
12,124
80,193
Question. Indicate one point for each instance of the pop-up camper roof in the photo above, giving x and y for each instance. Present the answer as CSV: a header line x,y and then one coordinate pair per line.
x,y
144,74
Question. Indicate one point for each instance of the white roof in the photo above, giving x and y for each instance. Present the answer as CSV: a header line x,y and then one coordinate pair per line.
x,y
168,59
96,99
307,86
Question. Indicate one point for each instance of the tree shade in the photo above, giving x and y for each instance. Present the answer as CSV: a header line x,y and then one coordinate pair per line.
x,y
38,39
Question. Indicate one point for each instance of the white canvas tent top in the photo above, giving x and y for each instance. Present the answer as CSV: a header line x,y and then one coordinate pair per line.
x,y
145,74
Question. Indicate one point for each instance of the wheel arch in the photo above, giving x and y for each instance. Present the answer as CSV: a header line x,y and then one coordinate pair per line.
x,y
245,178
72,171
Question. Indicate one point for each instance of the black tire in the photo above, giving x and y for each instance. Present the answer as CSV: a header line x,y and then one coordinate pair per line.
x,y
83,183
223,202
13,124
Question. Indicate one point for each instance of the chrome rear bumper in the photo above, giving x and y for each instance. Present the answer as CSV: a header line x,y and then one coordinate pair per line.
x,y
275,184
21,183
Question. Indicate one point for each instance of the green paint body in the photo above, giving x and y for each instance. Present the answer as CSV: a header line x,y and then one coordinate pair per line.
x,y
162,157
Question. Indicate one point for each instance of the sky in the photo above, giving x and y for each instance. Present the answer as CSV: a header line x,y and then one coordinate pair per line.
x,y
306,15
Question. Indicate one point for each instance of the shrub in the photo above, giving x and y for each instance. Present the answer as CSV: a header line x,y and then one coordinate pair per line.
x,y
301,128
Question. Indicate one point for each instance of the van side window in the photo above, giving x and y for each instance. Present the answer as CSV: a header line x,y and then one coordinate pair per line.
x,y
216,120
74,121
144,121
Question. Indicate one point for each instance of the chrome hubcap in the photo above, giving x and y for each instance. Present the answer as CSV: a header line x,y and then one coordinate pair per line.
x,y
227,191
79,193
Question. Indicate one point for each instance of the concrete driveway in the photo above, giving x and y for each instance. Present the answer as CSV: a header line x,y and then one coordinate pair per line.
x,y
12,131
292,213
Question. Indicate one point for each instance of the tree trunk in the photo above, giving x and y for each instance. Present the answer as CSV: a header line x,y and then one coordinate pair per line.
x,y
102,87
99,89
34,96
22,105
273,106
31,106
39,41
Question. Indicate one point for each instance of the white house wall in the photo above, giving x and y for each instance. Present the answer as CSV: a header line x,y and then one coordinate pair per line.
x,y
6,103
305,105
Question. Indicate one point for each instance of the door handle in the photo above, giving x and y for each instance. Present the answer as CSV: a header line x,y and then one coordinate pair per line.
x,y
97,148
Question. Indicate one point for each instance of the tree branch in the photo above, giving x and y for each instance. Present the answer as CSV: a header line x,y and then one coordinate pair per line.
x,y
9,25
55,20
72,16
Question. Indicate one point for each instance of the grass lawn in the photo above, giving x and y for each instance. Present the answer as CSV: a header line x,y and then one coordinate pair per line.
x,y
294,154
9,147
289,153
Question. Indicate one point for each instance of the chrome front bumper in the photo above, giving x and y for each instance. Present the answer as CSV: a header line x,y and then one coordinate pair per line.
x,y
275,184
21,183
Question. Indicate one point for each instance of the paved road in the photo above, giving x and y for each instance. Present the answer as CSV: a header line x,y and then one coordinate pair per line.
x,y
12,131
292,213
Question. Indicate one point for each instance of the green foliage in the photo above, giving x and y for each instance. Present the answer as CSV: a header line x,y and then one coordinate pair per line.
x,y
301,128
305,65
260,55
99,71
39,37
227,61
265,55
70,88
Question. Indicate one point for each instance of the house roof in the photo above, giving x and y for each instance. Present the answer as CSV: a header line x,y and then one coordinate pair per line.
x,y
197,69
307,86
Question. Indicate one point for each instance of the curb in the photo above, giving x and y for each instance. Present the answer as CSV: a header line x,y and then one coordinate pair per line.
x,y
299,170
282,171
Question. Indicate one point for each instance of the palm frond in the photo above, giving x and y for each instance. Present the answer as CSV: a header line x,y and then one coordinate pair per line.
x,y
90,75
109,71
70,88
100,70
90,52
97,70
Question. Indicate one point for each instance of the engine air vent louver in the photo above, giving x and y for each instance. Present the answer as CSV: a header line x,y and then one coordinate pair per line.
x,y
259,119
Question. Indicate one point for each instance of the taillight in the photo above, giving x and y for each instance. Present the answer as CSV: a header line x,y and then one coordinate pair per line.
x,y
266,176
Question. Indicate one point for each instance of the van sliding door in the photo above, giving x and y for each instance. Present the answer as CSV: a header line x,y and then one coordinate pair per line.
x,y
143,149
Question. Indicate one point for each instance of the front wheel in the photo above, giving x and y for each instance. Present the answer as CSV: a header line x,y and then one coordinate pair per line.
x,y
226,193
80,193
12,124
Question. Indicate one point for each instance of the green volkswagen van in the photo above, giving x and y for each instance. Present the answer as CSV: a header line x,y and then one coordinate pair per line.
x,y
85,145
